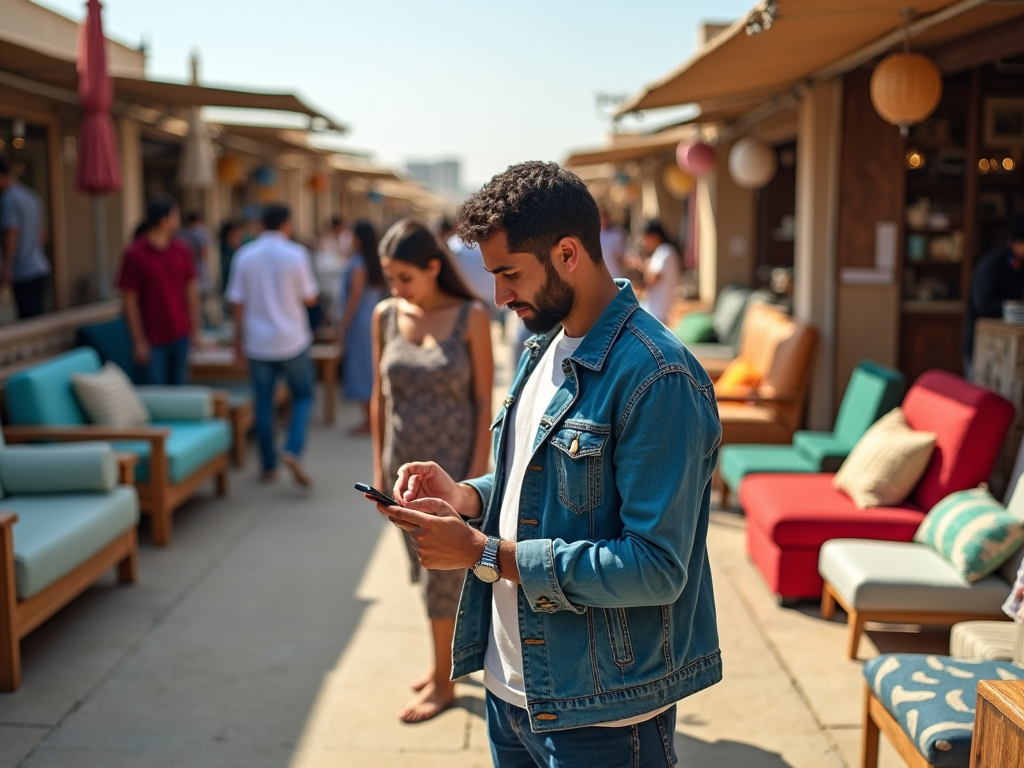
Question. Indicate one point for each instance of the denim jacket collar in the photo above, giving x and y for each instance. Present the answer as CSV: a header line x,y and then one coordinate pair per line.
x,y
595,346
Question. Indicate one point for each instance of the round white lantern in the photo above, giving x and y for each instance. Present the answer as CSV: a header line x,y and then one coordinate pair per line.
x,y
752,164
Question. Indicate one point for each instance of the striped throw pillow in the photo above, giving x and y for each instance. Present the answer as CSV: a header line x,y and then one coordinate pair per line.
x,y
108,397
972,531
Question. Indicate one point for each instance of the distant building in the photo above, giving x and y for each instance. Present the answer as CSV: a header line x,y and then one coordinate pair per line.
x,y
442,176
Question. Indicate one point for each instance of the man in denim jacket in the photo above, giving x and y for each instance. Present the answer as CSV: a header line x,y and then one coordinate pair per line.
x,y
591,610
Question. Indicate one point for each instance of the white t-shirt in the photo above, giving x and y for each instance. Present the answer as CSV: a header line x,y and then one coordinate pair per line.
x,y
470,264
272,279
613,248
664,262
503,661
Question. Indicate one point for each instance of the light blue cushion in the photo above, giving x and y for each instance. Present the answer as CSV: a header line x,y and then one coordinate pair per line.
x,y
239,392
56,533
727,316
69,468
823,449
177,403
873,391
933,698
737,461
190,445
43,395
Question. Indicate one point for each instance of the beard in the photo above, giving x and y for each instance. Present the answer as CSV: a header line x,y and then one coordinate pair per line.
x,y
551,305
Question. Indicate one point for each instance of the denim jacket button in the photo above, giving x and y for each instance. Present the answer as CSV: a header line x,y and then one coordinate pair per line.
x,y
567,368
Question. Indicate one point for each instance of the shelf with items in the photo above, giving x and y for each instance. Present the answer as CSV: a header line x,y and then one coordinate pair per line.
x,y
937,307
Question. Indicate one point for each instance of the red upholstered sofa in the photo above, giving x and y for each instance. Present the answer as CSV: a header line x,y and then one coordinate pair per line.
x,y
789,517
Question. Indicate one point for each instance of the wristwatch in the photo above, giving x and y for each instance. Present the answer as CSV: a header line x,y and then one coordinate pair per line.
x,y
487,569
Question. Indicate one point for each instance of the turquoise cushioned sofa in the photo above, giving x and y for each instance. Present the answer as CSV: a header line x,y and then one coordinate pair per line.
x,y
64,521
186,444
873,391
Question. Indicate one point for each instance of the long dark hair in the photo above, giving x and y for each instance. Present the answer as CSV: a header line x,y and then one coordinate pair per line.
x,y
366,246
410,241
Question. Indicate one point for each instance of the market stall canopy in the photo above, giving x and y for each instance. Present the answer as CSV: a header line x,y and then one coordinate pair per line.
x,y
808,39
622,148
181,95
352,166
283,139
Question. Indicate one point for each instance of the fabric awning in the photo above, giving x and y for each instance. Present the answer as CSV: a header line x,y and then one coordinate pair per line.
x,y
350,166
625,147
806,38
182,95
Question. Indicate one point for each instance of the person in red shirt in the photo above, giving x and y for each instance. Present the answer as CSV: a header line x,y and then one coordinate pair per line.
x,y
161,296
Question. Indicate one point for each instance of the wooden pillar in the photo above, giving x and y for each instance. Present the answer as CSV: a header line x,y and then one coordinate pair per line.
x,y
817,211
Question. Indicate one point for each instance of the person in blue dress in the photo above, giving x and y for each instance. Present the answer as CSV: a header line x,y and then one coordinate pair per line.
x,y
363,287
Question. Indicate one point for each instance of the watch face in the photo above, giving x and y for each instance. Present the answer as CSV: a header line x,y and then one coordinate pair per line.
x,y
485,573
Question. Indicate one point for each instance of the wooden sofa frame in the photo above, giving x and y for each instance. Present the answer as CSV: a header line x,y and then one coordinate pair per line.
x,y
158,497
19,617
877,719
856,619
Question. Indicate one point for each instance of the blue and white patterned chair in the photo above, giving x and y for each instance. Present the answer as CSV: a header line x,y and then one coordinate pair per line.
x,y
925,706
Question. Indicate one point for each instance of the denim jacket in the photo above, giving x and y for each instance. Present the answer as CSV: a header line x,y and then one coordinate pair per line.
x,y
616,609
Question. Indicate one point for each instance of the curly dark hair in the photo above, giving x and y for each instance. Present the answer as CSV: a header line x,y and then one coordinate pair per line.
x,y
536,204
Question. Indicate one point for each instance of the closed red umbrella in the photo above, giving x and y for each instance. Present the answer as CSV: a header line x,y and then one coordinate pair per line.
x,y
98,170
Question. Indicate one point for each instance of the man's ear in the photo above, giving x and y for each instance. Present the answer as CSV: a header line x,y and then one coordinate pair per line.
x,y
568,251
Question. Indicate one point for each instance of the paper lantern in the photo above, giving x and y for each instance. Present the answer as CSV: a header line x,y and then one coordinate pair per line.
x,y
696,158
677,181
752,164
319,182
905,89
264,176
229,170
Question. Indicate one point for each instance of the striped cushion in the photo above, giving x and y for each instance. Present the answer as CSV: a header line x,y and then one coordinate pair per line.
x,y
972,531
108,397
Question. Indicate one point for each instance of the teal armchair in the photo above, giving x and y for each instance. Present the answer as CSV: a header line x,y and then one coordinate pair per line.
x,y
186,445
64,521
873,391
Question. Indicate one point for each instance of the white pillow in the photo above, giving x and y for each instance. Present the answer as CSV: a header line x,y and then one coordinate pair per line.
x,y
108,397
886,463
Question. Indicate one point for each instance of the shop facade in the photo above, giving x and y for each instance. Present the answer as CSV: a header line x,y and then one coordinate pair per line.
x,y
885,229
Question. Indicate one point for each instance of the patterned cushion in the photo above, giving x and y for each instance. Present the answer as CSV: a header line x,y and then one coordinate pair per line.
x,y
933,698
885,464
972,531
108,397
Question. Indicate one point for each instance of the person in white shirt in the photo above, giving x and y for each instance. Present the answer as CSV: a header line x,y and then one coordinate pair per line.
x,y
330,261
471,266
661,271
613,244
271,286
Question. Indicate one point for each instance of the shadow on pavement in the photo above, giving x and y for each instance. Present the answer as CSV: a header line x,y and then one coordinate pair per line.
x,y
694,753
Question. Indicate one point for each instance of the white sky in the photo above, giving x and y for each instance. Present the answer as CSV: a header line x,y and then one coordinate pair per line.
x,y
486,82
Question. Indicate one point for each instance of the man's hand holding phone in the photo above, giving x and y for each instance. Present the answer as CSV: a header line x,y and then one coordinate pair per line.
x,y
426,480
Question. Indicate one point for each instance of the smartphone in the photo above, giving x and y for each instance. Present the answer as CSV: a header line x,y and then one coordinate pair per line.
x,y
383,498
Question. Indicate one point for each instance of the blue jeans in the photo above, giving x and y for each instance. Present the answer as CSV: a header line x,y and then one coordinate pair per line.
x,y
263,374
513,745
168,363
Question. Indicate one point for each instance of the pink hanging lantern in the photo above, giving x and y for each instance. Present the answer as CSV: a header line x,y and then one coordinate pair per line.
x,y
696,157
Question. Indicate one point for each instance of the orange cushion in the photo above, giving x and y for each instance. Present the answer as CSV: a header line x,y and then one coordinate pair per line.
x,y
738,376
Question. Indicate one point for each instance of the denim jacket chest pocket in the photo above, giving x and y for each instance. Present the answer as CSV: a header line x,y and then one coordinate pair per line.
x,y
579,447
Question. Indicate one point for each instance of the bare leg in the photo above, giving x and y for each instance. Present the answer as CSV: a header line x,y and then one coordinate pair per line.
x,y
439,692
364,428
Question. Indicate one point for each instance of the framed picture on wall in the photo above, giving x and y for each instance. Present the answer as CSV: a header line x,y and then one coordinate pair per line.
x,y
1004,122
